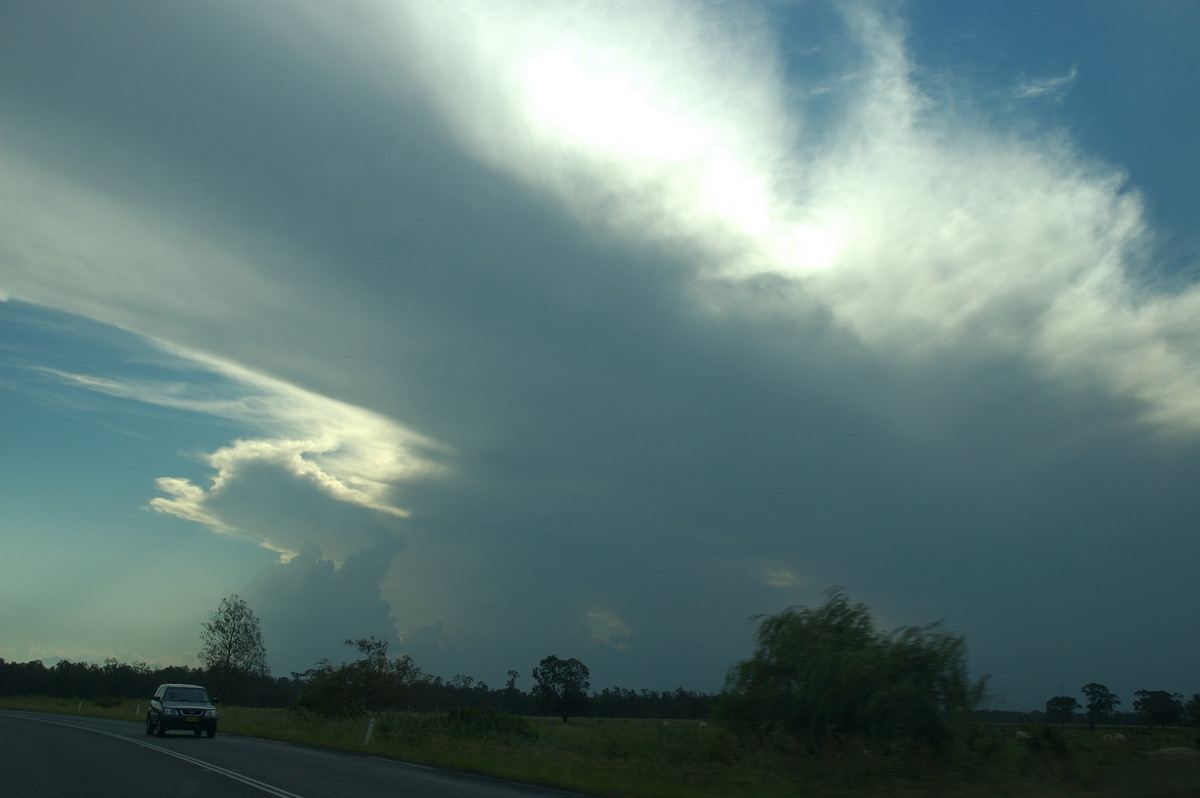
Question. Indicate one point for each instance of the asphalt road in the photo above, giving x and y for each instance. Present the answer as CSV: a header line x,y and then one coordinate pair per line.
x,y
55,755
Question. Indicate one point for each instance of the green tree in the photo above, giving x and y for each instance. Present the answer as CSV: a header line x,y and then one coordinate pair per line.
x,y
1060,707
1100,702
232,648
828,670
374,682
561,685
1159,706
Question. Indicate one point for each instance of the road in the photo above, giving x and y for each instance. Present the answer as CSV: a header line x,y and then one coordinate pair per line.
x,y
42,756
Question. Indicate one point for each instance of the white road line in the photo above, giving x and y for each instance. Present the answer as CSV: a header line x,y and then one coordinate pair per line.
x,y
255,783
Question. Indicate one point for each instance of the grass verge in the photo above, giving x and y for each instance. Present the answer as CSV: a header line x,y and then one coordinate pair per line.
x,y
684,759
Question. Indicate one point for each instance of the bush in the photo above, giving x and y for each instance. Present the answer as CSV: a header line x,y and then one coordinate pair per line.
x,y
825,674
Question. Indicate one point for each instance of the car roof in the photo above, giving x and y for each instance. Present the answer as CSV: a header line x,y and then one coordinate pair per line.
x,y
180,684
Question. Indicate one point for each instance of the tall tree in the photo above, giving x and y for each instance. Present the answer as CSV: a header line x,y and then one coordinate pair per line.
x,y
232,646
1159,706
1100,702
1059,708
561,685
824,670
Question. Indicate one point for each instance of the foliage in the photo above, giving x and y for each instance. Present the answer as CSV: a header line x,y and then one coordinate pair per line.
x,y
1059,708
232,646
1159,706
1100,701
690,759
827,671
561,685
375,682
488,724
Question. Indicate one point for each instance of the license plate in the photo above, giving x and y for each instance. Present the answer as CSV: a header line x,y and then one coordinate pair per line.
x,y
193,720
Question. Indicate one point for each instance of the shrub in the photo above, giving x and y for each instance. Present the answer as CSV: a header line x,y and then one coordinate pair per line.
x,y
827,673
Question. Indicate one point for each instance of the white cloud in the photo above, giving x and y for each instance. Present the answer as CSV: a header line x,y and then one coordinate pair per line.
x,y
916,230
1052,88
345,453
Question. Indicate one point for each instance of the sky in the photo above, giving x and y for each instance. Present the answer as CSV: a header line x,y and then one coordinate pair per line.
x,y
504,329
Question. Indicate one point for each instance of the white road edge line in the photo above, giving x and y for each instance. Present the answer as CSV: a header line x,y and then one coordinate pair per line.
x,y
259,785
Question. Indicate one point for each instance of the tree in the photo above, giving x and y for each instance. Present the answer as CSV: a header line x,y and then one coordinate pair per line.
x,y
1100,702
374,682
232,645
816,672
1159,706
1060,707
561,685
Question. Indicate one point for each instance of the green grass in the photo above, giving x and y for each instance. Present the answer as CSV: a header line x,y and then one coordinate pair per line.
x,y
647,759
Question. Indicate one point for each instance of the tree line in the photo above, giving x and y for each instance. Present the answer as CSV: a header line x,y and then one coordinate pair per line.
x,y
816,675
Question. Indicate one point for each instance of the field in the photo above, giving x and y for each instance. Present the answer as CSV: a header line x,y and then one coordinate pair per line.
x,y
645,758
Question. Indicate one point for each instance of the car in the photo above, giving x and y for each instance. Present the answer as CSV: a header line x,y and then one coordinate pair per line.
x,y
185,707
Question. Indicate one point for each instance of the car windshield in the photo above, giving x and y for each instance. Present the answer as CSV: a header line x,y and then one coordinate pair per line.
x,y
193,695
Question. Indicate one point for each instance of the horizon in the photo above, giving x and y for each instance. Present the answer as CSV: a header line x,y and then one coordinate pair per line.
x,y
499,329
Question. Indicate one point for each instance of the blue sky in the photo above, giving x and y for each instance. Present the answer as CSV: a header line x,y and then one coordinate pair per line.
x,y
504,329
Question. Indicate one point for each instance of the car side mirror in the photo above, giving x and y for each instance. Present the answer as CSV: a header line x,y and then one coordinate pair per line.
x,y
214,701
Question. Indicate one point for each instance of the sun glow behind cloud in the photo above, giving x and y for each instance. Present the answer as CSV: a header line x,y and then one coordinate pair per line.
x,y
918,229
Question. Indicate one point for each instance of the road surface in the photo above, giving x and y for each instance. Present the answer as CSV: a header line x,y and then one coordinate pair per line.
x,y
42,756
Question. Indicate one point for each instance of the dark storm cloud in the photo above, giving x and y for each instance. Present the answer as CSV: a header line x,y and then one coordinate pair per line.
x,y
525,388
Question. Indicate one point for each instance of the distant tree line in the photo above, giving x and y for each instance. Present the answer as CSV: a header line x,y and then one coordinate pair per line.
x,y
817,675
415,690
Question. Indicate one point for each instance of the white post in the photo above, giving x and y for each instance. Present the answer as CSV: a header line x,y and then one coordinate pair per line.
x,y
370,731
80,707
137,712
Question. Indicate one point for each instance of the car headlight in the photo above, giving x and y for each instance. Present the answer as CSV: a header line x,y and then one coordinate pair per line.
x,y
210,713
170,711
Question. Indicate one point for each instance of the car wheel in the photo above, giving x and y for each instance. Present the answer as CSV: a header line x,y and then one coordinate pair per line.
x,y
196,733
159,728
211,733
149,725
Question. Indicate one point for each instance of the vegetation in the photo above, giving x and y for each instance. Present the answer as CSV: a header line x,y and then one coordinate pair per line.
x,y
698,759
1159,706
561,685
819,675
827,705
1060,708
232,649
1100,702
374,683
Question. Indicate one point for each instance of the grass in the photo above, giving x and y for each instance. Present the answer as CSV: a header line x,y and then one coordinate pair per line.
x,y
684,759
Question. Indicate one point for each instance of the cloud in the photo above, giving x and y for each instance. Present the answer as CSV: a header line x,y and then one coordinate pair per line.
x,y
1052,88
912,228
593,330
309,605
337,468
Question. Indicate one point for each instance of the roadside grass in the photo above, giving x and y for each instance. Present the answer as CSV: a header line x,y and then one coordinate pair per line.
x,y
628,758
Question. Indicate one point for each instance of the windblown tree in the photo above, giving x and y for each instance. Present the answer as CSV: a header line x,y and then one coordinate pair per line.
x,y
825,671
561,685
232,648
1100,702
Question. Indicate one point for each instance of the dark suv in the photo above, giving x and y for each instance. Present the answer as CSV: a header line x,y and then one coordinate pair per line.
x,y
181,706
